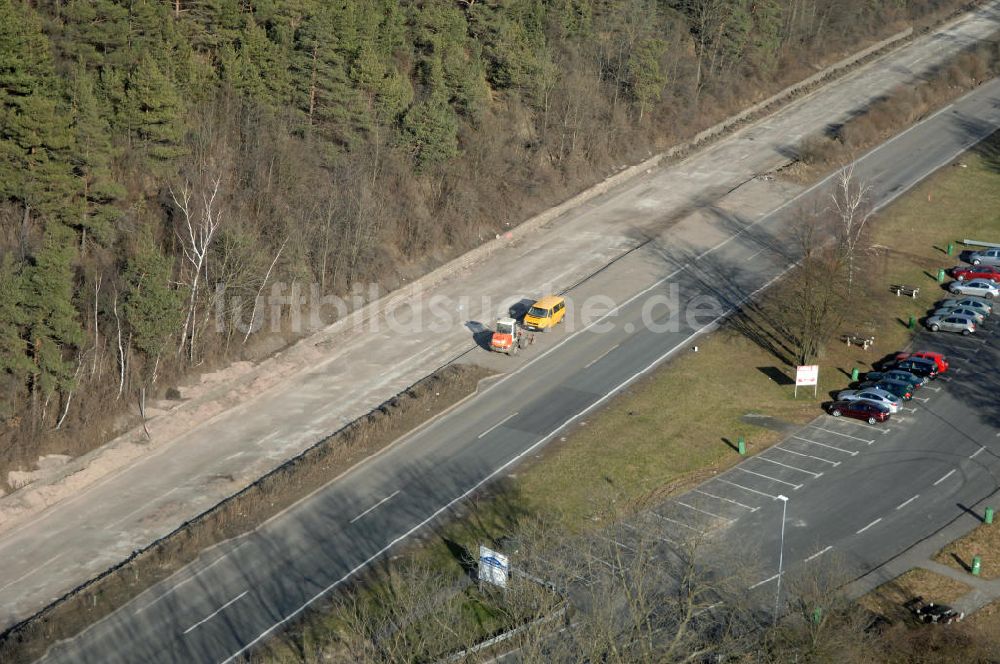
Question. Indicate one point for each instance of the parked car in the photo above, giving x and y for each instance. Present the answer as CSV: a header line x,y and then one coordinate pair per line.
x,y
902,390
918,366
985,257
874,395
860,409
961,324
978,287
968,312
976,303
897,375
965,273
937,358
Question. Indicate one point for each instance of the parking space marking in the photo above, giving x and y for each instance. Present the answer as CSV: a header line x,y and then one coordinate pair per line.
x,y
845,435
728,500
773,479
785,465
912,410
933,389
700,532
711,514
907,502
945,476
922,399
819,553
658,537
882,431
809,456
868,526
976,453
832,447
746,488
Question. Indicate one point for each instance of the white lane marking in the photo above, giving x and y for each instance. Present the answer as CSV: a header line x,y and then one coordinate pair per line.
x,y
868,526
599,357
767,580
728,500
746,488
31,571
831,447
809,456
658,537
711,514
785,465
976,453
755,255
190,578
856,423
496,425
766,477
912,410
933,389
657,514
922,399
945,476
143,507
907,502
376,505
845,435
818,553
216,612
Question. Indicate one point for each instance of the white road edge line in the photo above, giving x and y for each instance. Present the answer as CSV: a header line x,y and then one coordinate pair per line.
x,y
216,612
600,357
32,571
868,526
945,476
907,502
496,425
386,499
818,553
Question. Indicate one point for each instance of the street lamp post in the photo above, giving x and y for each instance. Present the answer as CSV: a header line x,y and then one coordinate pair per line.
x,y
781,556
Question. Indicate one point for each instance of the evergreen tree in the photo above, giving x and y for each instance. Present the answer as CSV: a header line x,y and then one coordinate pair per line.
x,y
94,32
431,130
256,66
646,78
52,328
92,154
153,111
153,310
13,349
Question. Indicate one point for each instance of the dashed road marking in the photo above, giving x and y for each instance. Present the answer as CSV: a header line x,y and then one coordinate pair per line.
x,y
785,465
945,476
379,503
818,553
728,500
907,502
832,447
496,425
767,477
868,526
216,612
599,357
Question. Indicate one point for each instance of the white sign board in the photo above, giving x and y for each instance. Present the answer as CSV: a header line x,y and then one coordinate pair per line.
x,y
494,567
807,375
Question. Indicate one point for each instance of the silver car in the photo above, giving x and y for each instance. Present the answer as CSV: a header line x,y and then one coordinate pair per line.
x,y
951,324
975,314
977,303
985,257
977,287
873,395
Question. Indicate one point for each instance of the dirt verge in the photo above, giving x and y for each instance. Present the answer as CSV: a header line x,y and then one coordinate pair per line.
x,y
241,513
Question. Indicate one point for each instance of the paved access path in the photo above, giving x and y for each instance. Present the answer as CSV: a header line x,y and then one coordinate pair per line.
x,y
106,521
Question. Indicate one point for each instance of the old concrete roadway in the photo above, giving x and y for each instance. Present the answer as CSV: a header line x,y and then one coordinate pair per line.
x,y
232,598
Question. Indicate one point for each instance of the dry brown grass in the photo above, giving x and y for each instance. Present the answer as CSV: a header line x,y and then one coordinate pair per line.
x,y
984,541
241,513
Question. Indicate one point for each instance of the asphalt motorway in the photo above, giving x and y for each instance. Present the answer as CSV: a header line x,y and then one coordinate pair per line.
x,y
238,594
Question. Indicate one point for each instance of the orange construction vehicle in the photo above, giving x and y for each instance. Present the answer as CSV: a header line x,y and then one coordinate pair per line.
x,y
508,337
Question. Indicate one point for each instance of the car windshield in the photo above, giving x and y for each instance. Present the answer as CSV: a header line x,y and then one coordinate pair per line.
x,y
505,328
538,312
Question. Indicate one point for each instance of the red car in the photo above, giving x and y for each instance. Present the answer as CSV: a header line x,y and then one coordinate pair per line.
x,y
937,358
860,409
966,273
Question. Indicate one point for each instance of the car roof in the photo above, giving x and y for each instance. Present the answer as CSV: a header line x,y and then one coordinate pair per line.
x,y
507,321
548,301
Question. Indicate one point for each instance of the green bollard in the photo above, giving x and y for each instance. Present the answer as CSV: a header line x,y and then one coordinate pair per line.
x,y
976,565
988,516
855,374
951,248
817,615
913,322
741,445
940,276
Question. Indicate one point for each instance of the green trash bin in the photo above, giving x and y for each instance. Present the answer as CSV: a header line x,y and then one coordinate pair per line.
x,y
940,276
913,322
741,445
951,248
855,374
977,564
988,516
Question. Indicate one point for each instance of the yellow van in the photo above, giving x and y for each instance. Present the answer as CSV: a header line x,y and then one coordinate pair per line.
x,y
545,313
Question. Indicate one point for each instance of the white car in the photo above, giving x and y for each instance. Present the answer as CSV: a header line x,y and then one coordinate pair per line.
x,y
978,287
985,257
873,395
